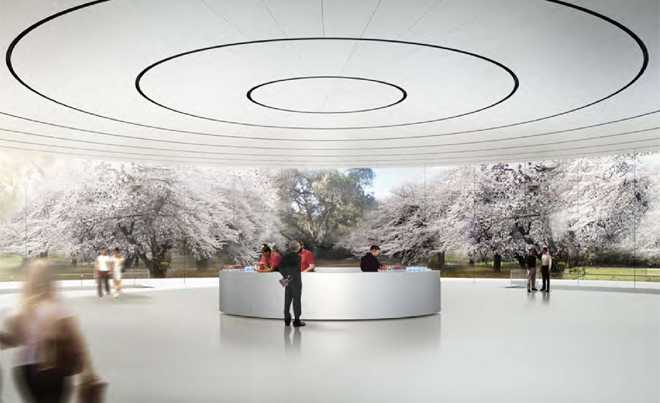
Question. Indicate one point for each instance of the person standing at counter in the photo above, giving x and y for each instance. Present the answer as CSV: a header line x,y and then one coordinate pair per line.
x,y
369,262
306,257
292,283
271,260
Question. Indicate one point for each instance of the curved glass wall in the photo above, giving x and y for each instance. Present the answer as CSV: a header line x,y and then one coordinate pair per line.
x,y
599,216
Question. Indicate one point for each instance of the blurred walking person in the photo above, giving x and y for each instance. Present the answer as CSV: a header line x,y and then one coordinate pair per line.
x,y
117,268
51,347
546,265
530,264
102,272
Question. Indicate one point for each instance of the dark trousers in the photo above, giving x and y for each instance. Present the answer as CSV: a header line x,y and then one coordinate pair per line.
x,y
545,273
45,386
103,278
293,293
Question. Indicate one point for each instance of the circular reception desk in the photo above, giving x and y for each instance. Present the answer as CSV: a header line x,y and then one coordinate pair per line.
x,y
333,294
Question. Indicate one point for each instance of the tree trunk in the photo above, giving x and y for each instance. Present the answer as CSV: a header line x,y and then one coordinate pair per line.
x,y
158,271
441,260
132,259
74,262
471,261
497,262
129,261
202,264
157,267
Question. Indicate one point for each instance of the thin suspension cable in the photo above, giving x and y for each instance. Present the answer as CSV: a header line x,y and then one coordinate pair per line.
x,y
421,17
350,55
322,19
476,18
225,19
276,21
273,17
452,31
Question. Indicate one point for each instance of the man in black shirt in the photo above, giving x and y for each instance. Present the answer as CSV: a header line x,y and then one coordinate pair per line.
x,y
369,262
292,283
530,264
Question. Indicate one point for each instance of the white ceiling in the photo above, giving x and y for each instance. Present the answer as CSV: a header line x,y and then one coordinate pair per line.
x,y
330,82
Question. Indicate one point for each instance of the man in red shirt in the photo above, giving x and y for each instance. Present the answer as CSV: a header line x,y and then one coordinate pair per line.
x,y
306,258
270,260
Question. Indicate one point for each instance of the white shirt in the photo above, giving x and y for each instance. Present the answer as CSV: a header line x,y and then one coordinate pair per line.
x,y
119,263
546,260
102,261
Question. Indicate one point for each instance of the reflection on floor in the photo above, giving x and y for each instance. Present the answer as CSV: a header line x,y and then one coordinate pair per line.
x,y
77,289
490,344
655,291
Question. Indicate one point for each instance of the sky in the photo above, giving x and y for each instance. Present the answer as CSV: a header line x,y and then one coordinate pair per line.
x,y
388,179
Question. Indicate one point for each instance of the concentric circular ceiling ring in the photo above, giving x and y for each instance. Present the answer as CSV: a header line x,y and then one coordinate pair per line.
x,y
620,26
472,142
250,94
348,159
489,159
143,73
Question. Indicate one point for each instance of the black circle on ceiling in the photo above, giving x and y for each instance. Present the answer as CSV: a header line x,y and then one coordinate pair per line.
x,y
626,30
403,92
141,75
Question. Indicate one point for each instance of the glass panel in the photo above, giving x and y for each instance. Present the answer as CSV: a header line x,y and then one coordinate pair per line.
x,y
598,215
647,232
608,214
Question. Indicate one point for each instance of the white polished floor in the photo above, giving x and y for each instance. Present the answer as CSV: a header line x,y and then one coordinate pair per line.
x,y
490,344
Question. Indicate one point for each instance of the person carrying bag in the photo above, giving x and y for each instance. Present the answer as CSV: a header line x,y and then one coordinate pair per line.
x,y
51,347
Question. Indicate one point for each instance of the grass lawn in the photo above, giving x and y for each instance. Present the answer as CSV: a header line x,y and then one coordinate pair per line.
x,y
622,274
11,269
9,262
478,270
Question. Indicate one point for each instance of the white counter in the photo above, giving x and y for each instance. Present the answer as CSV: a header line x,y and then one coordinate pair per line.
x,y
333,294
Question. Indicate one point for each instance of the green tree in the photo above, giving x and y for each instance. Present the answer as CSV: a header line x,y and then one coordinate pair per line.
x,y
320,205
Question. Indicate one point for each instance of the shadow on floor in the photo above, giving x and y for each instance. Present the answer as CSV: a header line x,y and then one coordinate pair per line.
x,y
123,299
600,289
83,288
